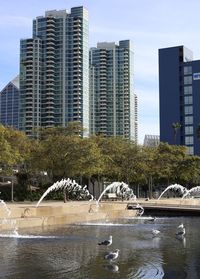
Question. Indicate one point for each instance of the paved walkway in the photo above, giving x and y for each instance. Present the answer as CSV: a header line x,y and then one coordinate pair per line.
x,y
179,206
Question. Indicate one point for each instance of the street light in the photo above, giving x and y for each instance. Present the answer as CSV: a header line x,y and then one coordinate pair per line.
x,y
11,182
12,198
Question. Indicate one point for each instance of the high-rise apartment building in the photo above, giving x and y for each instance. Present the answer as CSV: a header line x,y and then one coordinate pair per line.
x,y
9,104
179,86
113,104
54,71
151,140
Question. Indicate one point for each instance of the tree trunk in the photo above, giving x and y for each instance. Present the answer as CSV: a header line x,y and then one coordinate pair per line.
x,y
64,195
150,187
138,191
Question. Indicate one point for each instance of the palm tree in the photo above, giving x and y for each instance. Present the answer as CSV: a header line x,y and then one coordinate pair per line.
x,y
175,126
198,131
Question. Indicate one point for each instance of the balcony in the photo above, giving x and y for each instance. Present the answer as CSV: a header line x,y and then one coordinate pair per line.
x,y
50,29
50,43
50,20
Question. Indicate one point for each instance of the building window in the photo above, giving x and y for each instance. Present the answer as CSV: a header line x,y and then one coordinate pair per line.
x,y
188,110
187,70
187,90
188,100
189,140
189,130
188,80
188,120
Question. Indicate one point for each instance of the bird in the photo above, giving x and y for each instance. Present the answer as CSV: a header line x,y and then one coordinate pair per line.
x,y
181,226
153,219
180,230
112,255
155,232
106,242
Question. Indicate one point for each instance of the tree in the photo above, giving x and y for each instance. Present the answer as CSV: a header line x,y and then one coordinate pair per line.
x,y
198,131
14,147
176,126
167,158
188,170
72,129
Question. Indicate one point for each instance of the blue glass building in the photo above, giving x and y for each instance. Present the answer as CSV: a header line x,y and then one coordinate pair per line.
x,y
179,88
9,104
54,71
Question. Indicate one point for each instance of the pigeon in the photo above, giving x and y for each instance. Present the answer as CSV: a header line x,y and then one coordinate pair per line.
x,y
106,242
112,255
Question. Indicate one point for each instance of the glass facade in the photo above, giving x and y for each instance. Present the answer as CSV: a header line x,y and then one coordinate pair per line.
x,y
113,104
9,104
188,109
179,86
54,68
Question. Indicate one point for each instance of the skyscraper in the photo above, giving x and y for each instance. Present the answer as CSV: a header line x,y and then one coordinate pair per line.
x,y
179,86
54,71
113,103
9,104
151,140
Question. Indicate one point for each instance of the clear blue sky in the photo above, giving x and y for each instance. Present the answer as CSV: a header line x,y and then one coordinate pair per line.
x,y
150,24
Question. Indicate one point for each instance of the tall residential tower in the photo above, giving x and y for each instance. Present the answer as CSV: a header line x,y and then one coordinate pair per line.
x,y
179,86
54,71
113,104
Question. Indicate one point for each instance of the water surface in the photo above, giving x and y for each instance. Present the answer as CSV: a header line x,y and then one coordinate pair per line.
x,y
72,251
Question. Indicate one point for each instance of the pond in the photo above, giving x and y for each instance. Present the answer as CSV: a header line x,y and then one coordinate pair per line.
x,y
73,251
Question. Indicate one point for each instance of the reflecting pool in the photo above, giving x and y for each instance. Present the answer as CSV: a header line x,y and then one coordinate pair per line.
x,y
73,251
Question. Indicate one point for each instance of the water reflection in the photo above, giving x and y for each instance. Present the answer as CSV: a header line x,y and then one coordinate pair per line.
x,y
73,251
112,267
182,239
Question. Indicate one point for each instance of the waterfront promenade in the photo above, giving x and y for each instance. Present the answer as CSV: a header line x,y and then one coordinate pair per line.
x,y
172,206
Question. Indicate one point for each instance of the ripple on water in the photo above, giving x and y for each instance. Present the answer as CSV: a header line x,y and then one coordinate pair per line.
x,y
147,270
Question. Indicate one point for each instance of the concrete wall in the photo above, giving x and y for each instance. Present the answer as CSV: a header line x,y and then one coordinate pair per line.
x,y
175,202
58,213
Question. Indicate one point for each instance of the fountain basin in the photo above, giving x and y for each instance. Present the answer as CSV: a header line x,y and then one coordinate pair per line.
x,y
175,201
59,213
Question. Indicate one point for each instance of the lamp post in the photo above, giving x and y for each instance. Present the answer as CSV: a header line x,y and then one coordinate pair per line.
x,y
12,199
11,182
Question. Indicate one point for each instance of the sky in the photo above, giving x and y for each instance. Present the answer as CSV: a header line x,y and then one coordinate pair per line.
x,y
149,24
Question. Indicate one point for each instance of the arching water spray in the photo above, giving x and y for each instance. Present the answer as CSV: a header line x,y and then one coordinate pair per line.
x,y
6,219
175,187
6,209
71,187
121,189
192,190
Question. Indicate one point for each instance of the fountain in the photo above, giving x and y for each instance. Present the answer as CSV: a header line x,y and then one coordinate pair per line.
x,y
121,189
6,209
192,190
140,210
6,219
51,214
175,187
72,188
